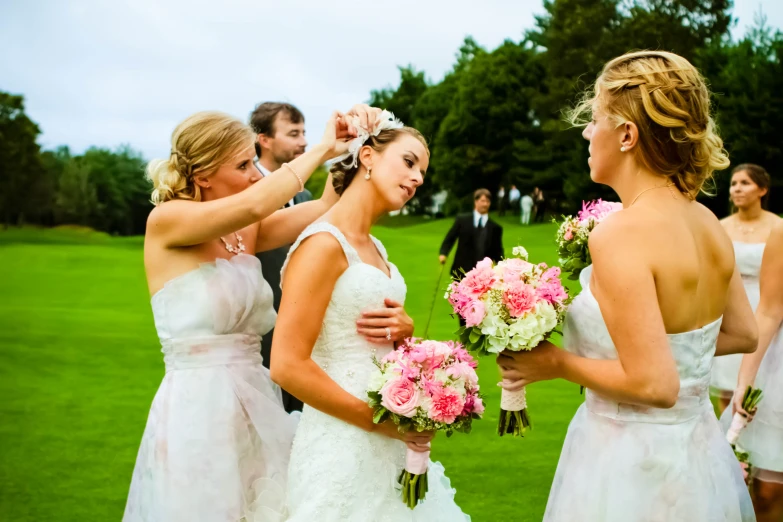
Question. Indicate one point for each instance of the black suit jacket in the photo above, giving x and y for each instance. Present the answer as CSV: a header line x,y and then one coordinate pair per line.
x,y
271,265
469,249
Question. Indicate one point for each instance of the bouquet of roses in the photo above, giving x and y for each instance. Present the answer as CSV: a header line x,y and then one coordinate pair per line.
x,y
750,402
511,305
426,386
573,233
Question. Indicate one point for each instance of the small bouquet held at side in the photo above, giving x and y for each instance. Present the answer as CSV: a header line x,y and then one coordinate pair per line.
x,y
750,402
512,305
425,385
574,232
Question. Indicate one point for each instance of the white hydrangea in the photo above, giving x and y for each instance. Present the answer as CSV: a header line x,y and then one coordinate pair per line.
x,y
520,252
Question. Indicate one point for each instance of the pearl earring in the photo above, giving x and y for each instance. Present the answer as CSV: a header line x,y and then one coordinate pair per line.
x,y
367,176
623,149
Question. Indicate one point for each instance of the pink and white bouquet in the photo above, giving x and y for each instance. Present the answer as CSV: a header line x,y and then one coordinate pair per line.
x,y
512,305
425,386
573,233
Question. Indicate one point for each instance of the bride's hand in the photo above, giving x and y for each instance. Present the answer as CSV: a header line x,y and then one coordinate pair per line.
x,y
378,325
519,369
337,136
415,440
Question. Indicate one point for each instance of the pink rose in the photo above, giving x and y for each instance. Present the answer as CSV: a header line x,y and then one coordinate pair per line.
x,y
458,299
552,274
447,405
552,292
514,268
463,370
400,396
519,298
474,313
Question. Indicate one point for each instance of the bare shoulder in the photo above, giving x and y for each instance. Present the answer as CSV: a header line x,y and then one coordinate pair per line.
x,y
163,214
620,230
776,236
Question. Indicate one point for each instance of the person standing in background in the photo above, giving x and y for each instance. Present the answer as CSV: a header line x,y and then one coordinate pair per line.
x,y
501,200
280,137
477,236
526,206
538,202
513,199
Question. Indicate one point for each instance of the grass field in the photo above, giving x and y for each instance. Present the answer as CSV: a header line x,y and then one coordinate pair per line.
x,y
80,363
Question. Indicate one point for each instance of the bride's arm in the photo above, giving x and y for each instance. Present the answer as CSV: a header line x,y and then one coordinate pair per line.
x,y
769,314
284,226
645,372
308,283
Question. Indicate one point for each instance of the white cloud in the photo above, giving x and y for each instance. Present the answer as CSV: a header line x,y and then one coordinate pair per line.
x,y
105,73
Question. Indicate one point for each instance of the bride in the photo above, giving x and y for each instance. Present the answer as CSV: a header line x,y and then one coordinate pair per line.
x,y
663,298
343,467
217,440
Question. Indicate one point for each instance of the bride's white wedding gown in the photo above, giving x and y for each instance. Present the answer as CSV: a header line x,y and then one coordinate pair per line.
x,y
338,472
217,440
626,463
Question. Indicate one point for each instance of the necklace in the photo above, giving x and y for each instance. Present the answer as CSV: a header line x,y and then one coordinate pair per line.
x,y
240,248
647,190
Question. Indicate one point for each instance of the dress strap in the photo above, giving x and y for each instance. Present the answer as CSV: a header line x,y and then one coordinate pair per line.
x,y
381,249
316,228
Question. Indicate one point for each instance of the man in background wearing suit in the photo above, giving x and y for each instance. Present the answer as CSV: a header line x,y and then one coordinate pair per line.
x,y
477,236
280,138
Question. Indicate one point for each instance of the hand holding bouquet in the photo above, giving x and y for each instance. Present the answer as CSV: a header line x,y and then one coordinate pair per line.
x,y
574,232
512,305
426,386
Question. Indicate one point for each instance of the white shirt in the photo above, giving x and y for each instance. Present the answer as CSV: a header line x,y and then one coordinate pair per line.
x,y
527,202
479,218
513,194
266,172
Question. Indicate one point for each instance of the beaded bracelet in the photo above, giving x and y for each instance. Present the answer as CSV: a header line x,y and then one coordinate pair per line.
x,y
298,177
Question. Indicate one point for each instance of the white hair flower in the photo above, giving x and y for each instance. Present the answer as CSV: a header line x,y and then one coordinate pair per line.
x,y
386,121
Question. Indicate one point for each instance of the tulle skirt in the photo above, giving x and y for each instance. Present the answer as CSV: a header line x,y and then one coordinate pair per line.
x,y
763,437
217,441
622,463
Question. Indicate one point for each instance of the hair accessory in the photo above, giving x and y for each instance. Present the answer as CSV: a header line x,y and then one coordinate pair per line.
x,y
386,121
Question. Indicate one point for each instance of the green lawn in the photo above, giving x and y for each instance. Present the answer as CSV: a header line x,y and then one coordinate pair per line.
x,y
80,363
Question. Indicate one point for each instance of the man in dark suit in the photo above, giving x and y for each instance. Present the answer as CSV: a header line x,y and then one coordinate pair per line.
x,y
280,138
477,236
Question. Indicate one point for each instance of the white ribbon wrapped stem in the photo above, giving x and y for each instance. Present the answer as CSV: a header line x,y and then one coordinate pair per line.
x,y
417,462
738,423
513,400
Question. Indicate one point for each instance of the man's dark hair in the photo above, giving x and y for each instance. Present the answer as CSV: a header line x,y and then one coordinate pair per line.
x,y
482,192
262,119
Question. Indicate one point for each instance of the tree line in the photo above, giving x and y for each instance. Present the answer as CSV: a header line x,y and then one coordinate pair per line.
x,y
496,118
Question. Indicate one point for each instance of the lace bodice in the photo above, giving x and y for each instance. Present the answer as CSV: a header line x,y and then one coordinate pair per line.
x,y
339,350
585,334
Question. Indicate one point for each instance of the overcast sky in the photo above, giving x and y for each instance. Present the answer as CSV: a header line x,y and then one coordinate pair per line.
x,y
110,72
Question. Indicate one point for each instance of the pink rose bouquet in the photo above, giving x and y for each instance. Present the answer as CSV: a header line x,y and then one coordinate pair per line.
x,y
574,232
511,305
426,386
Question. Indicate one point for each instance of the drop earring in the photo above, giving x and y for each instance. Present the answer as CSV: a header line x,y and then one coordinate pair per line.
x,y
367,176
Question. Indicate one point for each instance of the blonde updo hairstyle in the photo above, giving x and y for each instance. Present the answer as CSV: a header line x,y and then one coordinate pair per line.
x,y
343,172
668,100
199,145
